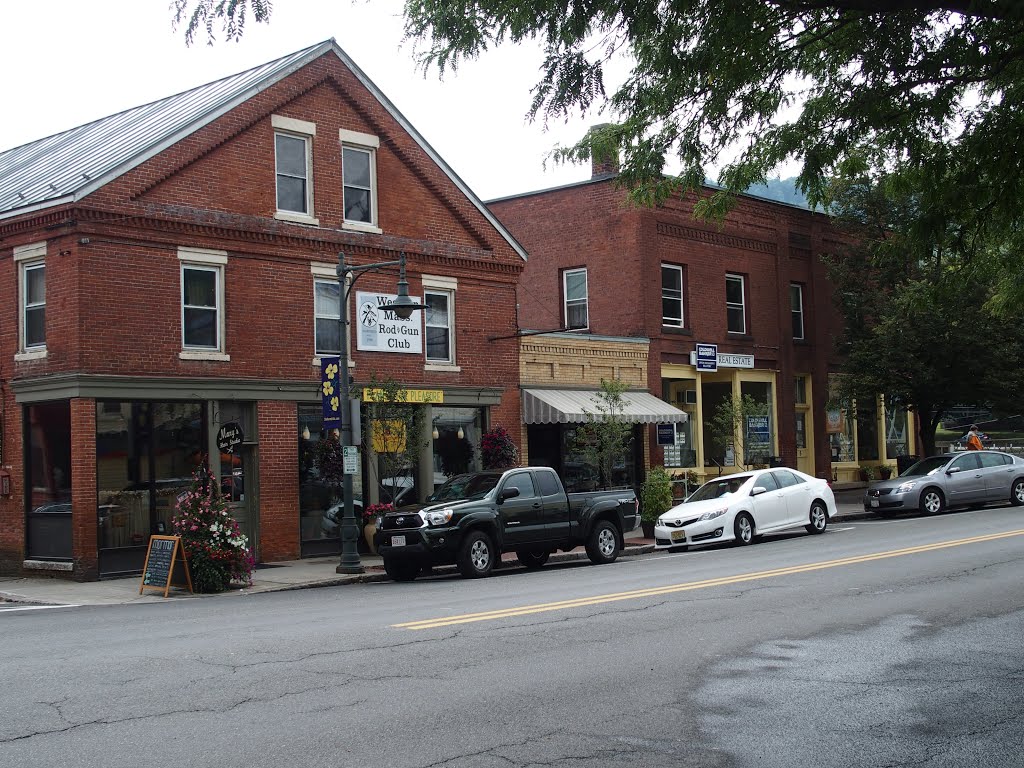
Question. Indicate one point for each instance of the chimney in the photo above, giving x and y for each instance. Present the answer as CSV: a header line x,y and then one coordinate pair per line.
x,y
604,151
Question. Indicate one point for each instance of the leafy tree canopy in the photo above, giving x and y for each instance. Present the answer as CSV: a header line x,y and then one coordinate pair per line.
x,y
930,85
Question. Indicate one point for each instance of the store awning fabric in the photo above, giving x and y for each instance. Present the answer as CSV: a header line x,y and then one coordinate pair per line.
x,y
568,406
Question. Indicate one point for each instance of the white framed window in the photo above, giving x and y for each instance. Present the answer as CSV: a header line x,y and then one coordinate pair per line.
x,y
672,296
359,179
327,316
31,261
202,303
735,303
796,301
439,322
574,290
293,165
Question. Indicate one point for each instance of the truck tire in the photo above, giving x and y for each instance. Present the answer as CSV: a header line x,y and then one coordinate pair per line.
x,y
476,555
603,543
532,558
401,570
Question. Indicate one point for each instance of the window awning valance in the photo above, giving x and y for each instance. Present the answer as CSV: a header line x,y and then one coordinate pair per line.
x,y
568,406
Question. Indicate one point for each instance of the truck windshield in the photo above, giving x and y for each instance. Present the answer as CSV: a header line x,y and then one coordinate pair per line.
x,y
465,488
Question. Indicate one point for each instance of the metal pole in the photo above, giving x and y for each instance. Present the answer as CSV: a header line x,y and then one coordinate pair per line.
x,y
350,528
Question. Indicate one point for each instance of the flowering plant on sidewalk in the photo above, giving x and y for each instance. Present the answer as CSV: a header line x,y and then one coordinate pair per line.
x,y
372,512
217,551
497,451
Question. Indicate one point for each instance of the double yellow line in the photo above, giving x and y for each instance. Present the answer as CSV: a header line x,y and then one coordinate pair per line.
x,y
582,602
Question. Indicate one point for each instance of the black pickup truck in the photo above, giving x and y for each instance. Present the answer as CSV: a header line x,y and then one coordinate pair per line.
x,y
473,518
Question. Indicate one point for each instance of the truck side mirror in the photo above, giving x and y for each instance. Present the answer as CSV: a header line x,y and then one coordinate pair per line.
x,y
507,493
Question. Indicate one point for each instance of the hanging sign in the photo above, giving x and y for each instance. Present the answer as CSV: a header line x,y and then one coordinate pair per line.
x,y
707,357
381,330
666,434
158,572
229,436
330,392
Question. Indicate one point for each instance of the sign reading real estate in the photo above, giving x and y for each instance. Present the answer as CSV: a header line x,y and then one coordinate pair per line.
x,y
381,330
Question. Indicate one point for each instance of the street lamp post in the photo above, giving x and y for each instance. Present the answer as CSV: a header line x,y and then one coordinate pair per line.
x,y
403,306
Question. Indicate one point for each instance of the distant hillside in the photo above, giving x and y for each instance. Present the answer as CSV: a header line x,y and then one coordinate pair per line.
x,y
783,190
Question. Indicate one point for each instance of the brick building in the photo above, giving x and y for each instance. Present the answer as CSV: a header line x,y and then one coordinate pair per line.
x,y
753,284
171,270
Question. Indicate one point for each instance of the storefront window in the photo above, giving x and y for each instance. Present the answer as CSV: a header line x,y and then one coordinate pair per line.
x,y
48,474
146,453
456,441
757,427
320,502
896,438
867,430
838,424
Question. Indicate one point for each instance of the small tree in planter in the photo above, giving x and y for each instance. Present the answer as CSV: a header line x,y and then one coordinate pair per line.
x,y
217,551
655,498
497,451
605,437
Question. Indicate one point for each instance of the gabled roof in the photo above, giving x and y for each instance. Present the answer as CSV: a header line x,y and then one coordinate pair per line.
x,y
68,166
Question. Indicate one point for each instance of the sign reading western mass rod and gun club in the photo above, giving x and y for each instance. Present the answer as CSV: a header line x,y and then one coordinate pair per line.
x,y
381,330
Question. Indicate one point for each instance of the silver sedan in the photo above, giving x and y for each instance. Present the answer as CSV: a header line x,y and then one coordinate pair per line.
x,y
968,479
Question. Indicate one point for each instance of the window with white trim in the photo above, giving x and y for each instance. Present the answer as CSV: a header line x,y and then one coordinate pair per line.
x,y
439,329
735,303
796,301
574,290
439,321
31,260
202,301
672,295
327,316
293,157
359,178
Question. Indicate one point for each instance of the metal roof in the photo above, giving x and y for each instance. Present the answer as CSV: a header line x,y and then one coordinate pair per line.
x,y
68,166
570,406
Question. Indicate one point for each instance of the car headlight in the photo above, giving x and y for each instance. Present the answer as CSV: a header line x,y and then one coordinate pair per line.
x,y
713,515
439,516
907,486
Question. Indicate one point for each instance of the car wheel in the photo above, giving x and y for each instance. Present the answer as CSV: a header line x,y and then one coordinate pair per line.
x,y
743,528
603,543
476,555
818,518
1017,492
932,501
401,570
532,558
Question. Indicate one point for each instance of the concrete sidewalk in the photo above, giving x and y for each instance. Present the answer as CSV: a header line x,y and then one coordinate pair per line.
x,y
294,574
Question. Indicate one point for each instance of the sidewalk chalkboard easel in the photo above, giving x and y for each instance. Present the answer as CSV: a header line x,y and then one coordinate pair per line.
x,y
158,573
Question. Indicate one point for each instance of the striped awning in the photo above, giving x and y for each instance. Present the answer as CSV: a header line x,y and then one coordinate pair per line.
x,y
568,406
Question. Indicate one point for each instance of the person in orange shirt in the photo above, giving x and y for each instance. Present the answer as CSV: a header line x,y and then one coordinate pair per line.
x,y
973,441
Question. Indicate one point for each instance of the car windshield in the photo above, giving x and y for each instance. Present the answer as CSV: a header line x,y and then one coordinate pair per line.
x,y
465,488
721,486
925,466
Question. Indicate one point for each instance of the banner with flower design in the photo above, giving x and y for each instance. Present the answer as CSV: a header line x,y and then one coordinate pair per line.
x,y
330,392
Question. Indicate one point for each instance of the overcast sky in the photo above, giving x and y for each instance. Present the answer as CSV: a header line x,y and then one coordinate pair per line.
x,y
68,62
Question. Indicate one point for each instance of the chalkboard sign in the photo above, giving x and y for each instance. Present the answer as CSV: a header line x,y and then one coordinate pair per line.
x,y
158,572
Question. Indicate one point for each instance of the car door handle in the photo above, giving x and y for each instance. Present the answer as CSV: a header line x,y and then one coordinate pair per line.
x,y
536,505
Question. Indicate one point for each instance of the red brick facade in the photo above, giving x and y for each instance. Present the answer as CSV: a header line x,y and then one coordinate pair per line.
x,y
770,244
114,301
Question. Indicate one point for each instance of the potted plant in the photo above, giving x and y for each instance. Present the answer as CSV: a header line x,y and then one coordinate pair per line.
x,y
683,483
868,473
497,451
370,516
884,471
655,498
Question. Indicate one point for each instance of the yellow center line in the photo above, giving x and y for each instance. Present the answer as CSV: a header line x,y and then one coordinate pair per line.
x,y
581,602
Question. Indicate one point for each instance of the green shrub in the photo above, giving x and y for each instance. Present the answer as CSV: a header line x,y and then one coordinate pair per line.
x,y
655,494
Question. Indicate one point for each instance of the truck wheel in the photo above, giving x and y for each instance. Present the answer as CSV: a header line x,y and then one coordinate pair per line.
x,y
476,555
603,543
401,570
532,558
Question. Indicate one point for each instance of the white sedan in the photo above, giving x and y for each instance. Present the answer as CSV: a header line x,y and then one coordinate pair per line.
x,y
741,506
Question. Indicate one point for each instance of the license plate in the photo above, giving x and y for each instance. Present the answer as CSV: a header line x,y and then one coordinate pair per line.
x,y
874,502
398,541
678,535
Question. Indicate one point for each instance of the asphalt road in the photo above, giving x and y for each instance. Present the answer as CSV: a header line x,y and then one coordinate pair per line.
x,y
882,643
